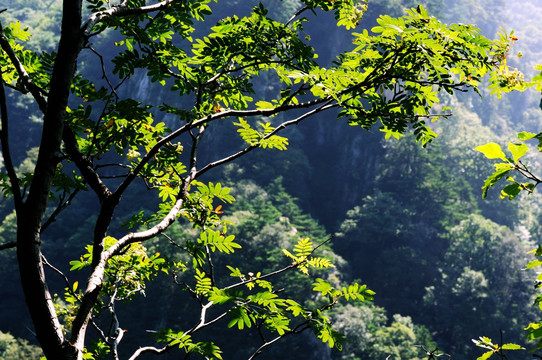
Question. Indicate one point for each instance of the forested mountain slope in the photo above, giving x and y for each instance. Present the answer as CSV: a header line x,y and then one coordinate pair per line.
x,y
409,221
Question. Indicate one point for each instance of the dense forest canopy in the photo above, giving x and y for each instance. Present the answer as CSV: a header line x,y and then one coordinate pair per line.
x,y
152,211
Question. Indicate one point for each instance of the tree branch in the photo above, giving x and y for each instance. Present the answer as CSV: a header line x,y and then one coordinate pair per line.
x,y
121,11
24,78
297,330
61,274
58,210
8,245
6,151
297,13
323,107
84,164
280,271
150,349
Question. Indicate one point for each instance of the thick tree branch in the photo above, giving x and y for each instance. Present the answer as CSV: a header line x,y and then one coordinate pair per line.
x,y
99,264
159,228
221,115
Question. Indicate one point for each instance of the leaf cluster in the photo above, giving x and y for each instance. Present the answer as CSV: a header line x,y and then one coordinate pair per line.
x,y
510,164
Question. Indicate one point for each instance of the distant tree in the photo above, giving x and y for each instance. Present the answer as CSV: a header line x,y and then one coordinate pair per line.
x,y
370,337
401,226
12,348
482,286
96,140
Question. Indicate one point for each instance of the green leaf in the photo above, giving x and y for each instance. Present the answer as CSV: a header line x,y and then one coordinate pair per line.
x,y
517,150
264,105
501,170
322,287
533,264
303,248
512,347
218,296
535,334
19,32
485,355
203,283
218,241
491,151
389,133
511,191
524,136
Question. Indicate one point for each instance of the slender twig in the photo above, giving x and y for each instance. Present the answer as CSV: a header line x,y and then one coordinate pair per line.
x,y
63,205
297,13
104,72
150,349
255,64
98,166
211,266
120,176
280,271
297,330
527,173
323,107
98,330
64,277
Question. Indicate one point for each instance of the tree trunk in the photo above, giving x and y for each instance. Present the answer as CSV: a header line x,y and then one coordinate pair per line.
x,y
30,213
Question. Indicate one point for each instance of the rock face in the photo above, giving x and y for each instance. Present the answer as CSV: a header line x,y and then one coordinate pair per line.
x,y
344,162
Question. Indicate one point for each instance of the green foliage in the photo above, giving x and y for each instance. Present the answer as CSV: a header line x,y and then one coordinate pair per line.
x,y
534,329
511,164
264,139
483,263
12,348
372,335
207,349
372,53
494,349
303,258
503,78
389,78
216,240
126,274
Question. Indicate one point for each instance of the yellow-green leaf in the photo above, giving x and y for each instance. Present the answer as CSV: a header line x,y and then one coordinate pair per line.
x,y
485,355
517,150
491,151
